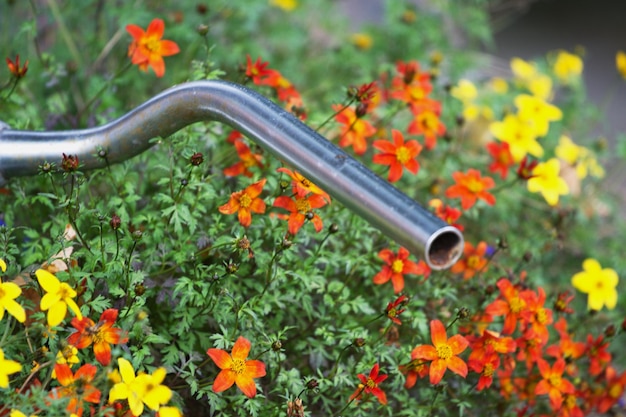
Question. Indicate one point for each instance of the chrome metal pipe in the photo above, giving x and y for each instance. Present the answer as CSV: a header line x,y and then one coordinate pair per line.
x,y
348,181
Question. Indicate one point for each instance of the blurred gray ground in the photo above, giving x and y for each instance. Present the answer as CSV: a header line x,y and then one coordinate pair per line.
x,y
531,28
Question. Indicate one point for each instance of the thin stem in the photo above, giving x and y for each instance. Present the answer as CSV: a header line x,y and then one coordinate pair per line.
x,y
354,397
332,116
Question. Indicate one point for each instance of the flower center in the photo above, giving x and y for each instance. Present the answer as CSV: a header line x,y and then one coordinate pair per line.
x,y
65,291
429,121
615,391
245,200
473,261
474,186
392,312
397,266
488,370
541,315
555,380
515,304
238,366
370,383
403,155
303,205
153,45
444,351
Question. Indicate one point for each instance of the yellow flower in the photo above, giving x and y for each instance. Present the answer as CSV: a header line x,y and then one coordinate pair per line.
x,y
169,412
499,85
464,91
546,180
599,283
537,111
523,70
59,296
286,5
579,157
620,63
567,66
519,134
7,368
141,389
361,40
67,356
16,413
9,291
540,86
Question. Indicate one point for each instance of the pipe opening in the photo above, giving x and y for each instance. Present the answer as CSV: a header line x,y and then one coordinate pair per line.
x,y
444,248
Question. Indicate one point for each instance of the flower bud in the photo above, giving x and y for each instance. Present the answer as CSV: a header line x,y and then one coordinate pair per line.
x,y
69,163
359,342
115,222
196,159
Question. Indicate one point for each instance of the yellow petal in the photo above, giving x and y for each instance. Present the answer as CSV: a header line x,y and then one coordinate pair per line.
x,y
48,282
3,265
57,313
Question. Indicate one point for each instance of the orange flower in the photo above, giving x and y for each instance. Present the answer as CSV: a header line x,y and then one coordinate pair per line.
x,y
417,368
244,202
369,385
502,158
510,304
396,267
471,187
247,160
302,186
410,85
486,368
446,213
426,122
615,385
443,353
397,155
472,262
147,48
101,335
354,131
76,386
235,369
15,69
552,383
256,71
300,207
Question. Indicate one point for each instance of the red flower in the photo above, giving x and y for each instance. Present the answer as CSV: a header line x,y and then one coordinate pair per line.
x,y
147,48
472,262
397,155
536,315
443,353
615,385
393,311
525,170
14,67
502,158
396,267
245,202
256,71
598,356
369,385
471,187
247,160
236,369
101,335
486,368
553,383
300,207
76,386
354,131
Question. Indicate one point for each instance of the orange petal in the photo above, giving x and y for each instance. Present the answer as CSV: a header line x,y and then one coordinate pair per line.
x,y
255,189
438,332
225,379
427,352
398,282
241,348
64,374
244,216
135,31
257,206
156,28
221,358
285,203
383,276
458,344
437,369
246,385
458,366
168,48
157,64
296,221
102,352
86,372
255,369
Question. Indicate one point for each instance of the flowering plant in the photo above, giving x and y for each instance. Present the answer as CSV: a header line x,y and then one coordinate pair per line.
x,y
135,289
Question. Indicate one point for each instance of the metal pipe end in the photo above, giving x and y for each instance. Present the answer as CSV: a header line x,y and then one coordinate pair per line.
x,y
444,248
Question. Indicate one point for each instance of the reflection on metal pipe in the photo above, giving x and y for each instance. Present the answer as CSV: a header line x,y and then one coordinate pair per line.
x,y
278,131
